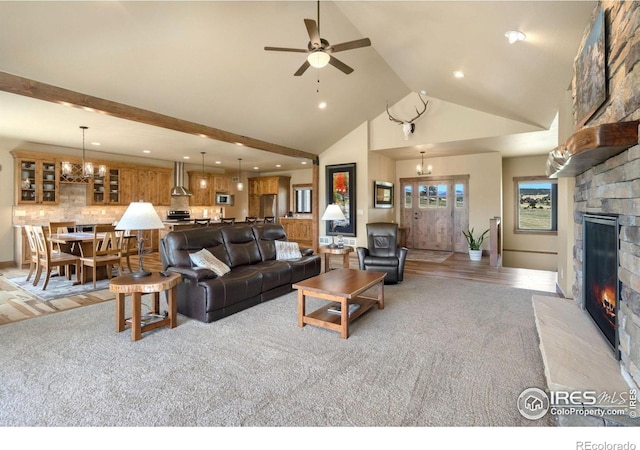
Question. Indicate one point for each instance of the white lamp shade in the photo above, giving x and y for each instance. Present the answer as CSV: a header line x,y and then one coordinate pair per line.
x,y
333,212
140,216
318,59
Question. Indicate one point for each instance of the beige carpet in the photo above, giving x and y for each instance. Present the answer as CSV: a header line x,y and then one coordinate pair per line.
x,y
427,255
442,353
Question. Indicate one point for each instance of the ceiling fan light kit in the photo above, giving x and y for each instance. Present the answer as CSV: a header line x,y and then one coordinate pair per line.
x,y
318,59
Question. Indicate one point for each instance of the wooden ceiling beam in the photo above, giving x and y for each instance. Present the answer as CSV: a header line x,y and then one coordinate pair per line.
x,y
42,91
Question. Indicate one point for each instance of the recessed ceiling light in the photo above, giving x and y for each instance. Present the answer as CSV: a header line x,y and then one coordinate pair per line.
x,y
255,167
185,157
322,105
303,162
239,143
218,162
458,74
515,36
278,165
146,151
97,144
423,92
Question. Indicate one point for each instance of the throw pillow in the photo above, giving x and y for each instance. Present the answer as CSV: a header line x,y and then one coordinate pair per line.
x,y
204,258
287,250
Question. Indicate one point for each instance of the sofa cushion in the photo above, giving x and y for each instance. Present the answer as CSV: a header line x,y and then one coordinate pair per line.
x,y
204,258
241,245
274,274
287,250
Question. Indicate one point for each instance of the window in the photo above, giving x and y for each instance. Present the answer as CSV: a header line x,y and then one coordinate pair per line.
x,y
432,196
536,205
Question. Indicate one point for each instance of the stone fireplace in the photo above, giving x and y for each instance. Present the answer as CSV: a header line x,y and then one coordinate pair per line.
x,y
613,189
603,157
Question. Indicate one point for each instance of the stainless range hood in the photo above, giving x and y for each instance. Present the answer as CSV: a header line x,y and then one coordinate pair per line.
x,y
178,189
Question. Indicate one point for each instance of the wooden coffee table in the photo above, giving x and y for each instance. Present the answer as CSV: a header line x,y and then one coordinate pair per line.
x,y
343,286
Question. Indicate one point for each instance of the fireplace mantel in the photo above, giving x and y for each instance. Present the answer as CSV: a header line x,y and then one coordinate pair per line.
x,y
591,146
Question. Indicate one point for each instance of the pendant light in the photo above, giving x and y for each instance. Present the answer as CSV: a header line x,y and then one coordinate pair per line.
x,y
240,186
420,170
203,180
86,167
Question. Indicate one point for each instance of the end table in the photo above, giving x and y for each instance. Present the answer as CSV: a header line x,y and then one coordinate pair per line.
x,y
328,251
152,284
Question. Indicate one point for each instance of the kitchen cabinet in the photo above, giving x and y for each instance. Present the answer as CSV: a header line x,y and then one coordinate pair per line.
x,y
37,181
104,190
201,196
222,184
298,230
151,185
278,185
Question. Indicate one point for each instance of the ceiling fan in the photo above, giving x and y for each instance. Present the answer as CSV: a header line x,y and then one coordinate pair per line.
x,y
320,52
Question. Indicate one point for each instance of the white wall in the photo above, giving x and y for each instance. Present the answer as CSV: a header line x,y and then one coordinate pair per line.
x,y
442,122
6,202
381,168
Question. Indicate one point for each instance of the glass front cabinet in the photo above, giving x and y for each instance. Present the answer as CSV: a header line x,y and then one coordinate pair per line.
x,y
39,181
104,188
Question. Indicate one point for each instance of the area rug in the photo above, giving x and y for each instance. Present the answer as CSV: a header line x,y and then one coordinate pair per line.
x,y
58,287
441,353
433,256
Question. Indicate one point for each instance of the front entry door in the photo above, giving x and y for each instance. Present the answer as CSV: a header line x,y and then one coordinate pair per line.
x,y
434,212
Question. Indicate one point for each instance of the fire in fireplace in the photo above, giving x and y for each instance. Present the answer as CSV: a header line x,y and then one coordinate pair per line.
x,y
600,271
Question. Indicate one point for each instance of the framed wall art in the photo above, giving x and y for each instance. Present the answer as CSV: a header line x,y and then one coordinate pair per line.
x,y
591,82
341,190
382,194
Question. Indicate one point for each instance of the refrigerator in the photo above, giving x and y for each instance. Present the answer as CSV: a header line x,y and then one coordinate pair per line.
x,y
268,205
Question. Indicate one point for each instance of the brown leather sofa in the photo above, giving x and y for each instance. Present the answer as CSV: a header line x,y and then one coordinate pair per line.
x,y
249,250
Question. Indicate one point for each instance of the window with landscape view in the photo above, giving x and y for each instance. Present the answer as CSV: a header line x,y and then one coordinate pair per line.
x,y
536,205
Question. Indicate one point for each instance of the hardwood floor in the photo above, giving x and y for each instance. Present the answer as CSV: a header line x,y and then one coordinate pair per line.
x,y
456,266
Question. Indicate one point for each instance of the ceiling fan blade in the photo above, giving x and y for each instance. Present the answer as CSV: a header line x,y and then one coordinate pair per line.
x,y
285,49
302,69
312,29
351,45
340,65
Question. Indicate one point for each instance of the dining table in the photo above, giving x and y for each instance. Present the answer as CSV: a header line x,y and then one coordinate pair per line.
x,y
82,246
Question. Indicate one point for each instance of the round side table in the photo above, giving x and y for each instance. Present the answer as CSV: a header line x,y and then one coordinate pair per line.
x,y
152,284
328,251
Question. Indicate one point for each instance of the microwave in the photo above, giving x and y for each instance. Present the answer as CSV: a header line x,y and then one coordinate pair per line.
x,y
224,199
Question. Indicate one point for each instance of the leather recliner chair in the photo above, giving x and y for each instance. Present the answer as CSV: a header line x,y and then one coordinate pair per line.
x,y
382,253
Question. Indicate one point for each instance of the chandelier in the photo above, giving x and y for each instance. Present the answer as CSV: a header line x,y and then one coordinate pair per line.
x,y
86,169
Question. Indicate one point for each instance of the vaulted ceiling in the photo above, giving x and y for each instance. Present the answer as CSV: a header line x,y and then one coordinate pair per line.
x,y
205,62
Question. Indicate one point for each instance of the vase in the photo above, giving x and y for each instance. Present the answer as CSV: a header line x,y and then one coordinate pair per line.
x,y
475,255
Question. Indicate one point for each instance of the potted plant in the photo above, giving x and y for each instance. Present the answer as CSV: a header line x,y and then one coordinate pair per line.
x,y
475,244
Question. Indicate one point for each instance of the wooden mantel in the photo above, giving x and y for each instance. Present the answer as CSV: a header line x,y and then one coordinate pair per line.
x,y
590,147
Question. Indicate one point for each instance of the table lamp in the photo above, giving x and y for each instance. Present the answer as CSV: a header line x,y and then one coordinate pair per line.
x,y
333,213
140,216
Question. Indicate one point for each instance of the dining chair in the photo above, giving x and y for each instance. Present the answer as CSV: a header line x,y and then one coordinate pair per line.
x,y
251,219
124,244
47,259
106,252
269,219
204,222
62,227
230,220
33,249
